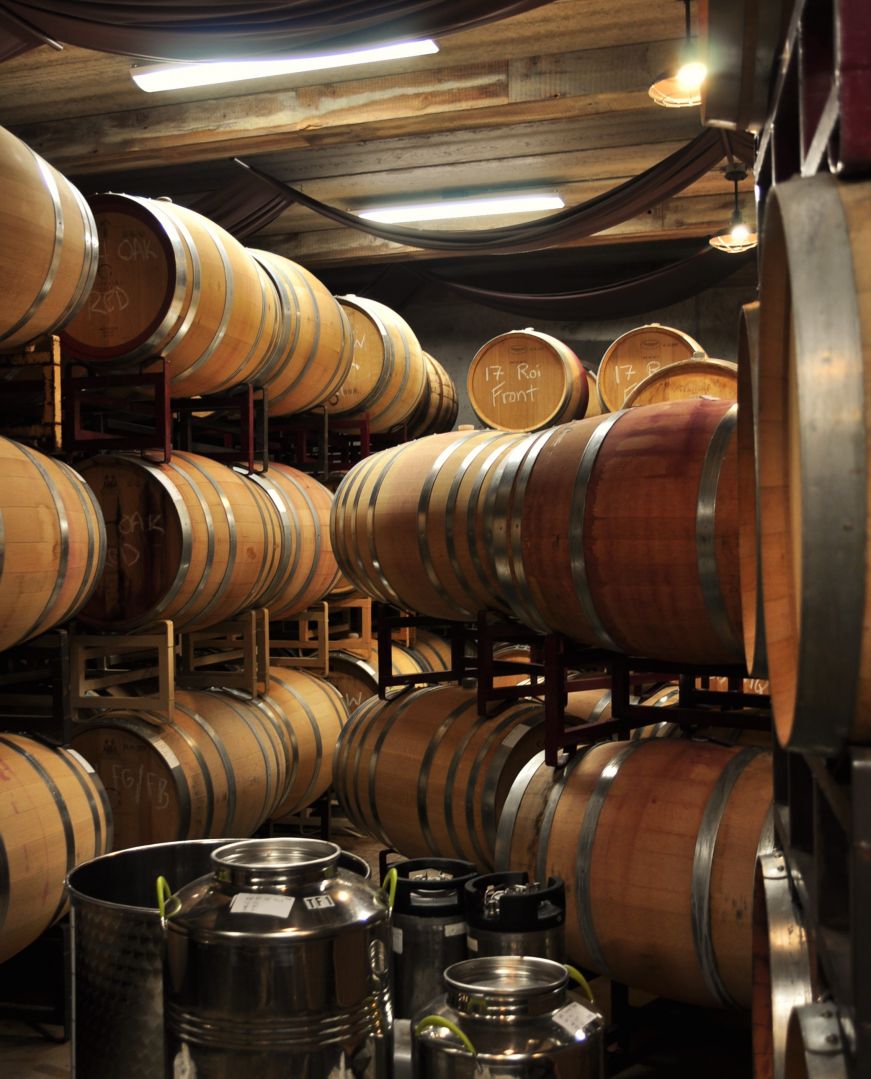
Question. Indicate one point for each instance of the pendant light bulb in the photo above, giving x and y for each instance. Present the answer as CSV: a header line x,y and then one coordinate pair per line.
x,y
680,86
691,75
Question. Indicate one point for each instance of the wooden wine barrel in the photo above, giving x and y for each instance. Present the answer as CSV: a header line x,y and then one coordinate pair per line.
x,y
306,569
312,713
814,359
312,356
525,380
449,769
744,39
388,376
171,283
342,589
782,968
816,1046
637,354
621,532
48,246
749,563
355,675
54,814
656,840
594,403
187,540
688,378
217,768
433,651
409,525
438,408
52,542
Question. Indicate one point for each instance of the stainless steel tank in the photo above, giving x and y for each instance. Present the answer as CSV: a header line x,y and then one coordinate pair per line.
x,y
277,965
117,954
429,927
507,1017
508,914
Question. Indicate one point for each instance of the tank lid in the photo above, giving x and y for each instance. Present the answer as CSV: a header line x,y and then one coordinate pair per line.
x,y
510,902
502,984
431,887
274,862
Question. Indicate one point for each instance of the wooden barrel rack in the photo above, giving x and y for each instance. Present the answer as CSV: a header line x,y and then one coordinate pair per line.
x,y
553,673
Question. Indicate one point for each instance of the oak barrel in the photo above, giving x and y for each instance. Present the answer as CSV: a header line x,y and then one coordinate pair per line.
x,y
524,380
621,532
815,509
594,402
312,356
409,524
439,406
355,674
306,570
750,564
218,767
742,40
187,540
170,283
656,840
54,814
696,377
638,353
782,965
449,769
48,246
52,542
312,713
433,651
388,376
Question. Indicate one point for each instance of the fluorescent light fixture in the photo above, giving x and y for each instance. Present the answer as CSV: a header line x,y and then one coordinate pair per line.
x,y
448,209
180,76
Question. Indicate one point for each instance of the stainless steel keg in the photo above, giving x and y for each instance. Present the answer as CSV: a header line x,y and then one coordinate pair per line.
x,y
429,927
277,964
506,1017
117,953
508,914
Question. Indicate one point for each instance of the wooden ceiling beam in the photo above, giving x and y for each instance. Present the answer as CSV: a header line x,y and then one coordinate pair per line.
x,y
480,95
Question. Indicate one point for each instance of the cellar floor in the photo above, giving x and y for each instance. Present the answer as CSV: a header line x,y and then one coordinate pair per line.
x,y
670,1041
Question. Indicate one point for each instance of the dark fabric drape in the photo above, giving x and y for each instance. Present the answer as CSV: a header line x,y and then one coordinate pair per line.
x,y
627,200
647,292
243,207
211,29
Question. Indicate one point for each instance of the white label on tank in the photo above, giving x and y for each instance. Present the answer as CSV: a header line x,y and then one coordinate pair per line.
x,y
318,902
573,1017
472,944
276,906
397,940
455,929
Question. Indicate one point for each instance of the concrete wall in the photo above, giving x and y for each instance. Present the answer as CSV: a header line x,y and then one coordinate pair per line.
x,y
453,330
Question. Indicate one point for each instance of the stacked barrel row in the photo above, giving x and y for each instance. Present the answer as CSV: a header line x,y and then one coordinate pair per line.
x,y
132,281
525,380
619,531
126,541
223,763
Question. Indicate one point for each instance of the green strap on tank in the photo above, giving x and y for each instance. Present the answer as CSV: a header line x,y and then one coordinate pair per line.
x,y
389,886
164,895
440,1021
576,976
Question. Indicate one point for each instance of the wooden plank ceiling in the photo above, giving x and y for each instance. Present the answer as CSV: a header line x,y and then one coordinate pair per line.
x,y
555,99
